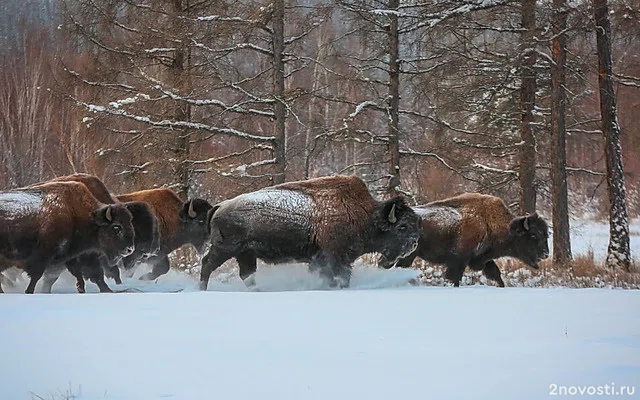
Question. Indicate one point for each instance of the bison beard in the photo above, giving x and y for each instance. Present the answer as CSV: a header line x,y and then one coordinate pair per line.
x,y
328,222
474,229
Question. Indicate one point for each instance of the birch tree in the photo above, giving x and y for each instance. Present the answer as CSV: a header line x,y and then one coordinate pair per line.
x,y
618,252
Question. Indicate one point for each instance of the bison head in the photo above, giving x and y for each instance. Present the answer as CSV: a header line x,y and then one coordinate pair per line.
x,y
529,236
397,229
194,221
145,226
115,231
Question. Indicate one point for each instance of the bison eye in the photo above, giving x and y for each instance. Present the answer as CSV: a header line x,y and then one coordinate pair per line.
x,y
534,237
117,229
402,228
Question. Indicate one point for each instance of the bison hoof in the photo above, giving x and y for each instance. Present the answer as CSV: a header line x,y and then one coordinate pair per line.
x,y
202,285
118,281
500,284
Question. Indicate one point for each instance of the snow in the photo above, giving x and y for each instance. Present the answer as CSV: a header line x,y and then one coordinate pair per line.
x,y
394,342
360,107
591,236
382,338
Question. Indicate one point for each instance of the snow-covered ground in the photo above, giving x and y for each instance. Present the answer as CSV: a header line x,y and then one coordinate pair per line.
x,y
382,338
594,236
406,343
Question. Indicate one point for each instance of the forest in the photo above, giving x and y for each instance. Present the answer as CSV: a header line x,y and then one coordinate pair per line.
x,y
532,101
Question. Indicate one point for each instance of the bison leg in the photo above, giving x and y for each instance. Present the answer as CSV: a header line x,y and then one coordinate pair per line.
x,y
341,276
454,273
73,266
492,272
210,262
334,273
93,269
102,285
51,275
159,268
35,275
129,263
113,272
247,268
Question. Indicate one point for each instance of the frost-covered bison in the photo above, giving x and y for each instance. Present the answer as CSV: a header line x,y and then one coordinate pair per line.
x,y
53,223
91,265
474,229
328,222
179,223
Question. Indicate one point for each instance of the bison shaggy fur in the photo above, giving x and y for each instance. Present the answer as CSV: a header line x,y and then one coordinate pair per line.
x,y
328,222
473,230
179,223
53,223
91,265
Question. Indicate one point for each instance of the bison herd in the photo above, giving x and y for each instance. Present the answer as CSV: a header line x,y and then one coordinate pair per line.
x,y
75,223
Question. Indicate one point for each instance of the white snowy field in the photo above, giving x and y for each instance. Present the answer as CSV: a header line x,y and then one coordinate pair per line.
x,y
593,236
380,339
402,342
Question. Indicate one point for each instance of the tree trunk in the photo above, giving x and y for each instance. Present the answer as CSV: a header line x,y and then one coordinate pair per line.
x,y
278,92
179,79
561,239
394,100
527,103
618,253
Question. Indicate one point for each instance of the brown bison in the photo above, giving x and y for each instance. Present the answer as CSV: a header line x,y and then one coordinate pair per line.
x,y
328,222
53,223
91,265
475,229
179,223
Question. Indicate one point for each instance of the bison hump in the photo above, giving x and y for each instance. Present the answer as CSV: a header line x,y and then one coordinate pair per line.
x,y
271,203
440,217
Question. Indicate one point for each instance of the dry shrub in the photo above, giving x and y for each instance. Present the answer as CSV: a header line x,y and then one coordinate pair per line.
x,y
583,272
186,259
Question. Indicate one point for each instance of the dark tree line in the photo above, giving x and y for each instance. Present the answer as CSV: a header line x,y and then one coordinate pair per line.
x,y
427,98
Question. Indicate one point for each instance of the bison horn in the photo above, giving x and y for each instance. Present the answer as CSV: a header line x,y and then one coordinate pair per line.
x,y
107,214
526,223
191,212
392,214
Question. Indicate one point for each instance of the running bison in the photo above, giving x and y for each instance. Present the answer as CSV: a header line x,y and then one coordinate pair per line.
x,y
91,265
179,223
53,223
328,222
474,229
